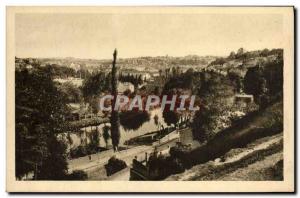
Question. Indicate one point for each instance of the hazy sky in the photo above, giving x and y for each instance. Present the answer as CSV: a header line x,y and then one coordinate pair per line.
x,y
96,35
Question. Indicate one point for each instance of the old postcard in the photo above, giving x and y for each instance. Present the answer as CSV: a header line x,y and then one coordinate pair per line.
x,y
150,99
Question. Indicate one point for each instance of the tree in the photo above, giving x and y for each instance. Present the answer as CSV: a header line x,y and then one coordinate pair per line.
x,y
95,138
114,165
240,52
236,81
265,81
265,52
135,80
156,91
156,120
92,88
273,73
200,125
171,117
254,82
184,81
54,167
232,55
216,92
40,112
94,85
58,71
72,93
132,120
114,119
78,175
106,134
160,72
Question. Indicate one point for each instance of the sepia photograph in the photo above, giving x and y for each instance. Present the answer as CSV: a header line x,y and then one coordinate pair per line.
x,y
149,99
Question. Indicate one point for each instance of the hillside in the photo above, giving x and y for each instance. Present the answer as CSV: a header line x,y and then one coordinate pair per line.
x,y
238,62
257,161
241,61
254,140
138,63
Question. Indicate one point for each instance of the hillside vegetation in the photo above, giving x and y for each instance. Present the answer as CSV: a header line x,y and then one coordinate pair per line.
x,y
259,124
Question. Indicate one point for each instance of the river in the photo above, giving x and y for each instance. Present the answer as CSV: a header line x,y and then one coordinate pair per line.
x,y
146,127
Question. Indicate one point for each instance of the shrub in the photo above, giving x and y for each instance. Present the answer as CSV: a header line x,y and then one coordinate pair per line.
x,y
162,166
278,171
114,165
181,156
80,151
83,150
77,175
275,119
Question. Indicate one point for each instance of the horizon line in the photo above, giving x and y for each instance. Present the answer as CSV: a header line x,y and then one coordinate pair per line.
x,y
94,58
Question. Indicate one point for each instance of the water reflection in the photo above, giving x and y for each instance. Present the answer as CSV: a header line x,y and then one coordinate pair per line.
x,y
145,127
133,120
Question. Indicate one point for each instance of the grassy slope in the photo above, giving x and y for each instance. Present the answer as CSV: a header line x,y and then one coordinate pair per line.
x,y
242,133
259,160
245,133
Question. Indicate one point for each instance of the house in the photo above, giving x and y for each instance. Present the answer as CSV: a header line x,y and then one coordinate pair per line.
x,y
243,99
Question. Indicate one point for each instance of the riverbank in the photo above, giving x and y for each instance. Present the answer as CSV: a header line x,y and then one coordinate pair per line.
x,y
95,169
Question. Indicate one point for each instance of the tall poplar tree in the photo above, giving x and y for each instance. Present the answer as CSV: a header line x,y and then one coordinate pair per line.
x,y
114,120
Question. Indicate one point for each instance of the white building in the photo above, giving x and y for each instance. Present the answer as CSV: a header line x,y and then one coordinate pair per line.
x,y
243,99
125,86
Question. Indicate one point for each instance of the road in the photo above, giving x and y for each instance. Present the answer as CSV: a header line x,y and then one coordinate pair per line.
x,y
83,163
100,159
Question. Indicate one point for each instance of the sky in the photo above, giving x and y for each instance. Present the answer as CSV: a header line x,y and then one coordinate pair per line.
x,y
134,35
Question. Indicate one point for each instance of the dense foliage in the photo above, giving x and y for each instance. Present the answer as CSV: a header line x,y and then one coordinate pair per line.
x,y
132,120
58,71
216,87
40,110
265,82
187,80
216,94
134,79
95,84
78,175
251,127
71,92
114,165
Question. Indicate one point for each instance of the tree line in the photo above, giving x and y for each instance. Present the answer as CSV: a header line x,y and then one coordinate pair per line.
x,y
214,91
